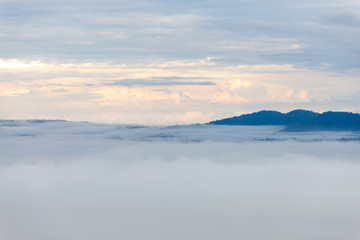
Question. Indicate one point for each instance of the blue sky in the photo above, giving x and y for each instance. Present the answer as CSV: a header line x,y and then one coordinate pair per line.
x,y
166,62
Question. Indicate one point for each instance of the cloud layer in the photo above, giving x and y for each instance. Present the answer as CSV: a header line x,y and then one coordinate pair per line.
x,y
240,32
62,180
212,58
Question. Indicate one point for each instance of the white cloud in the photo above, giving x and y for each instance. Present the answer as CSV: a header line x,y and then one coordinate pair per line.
x,y
16,64
86,91
8,89
59,58
76,180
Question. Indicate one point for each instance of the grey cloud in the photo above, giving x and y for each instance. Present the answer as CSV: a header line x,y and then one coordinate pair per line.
x,y
178,78
346,17
127,31
159,81
318,43
185,97
59,90
163,90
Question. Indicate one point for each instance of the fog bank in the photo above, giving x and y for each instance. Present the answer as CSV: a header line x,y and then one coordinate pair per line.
x,y
91,187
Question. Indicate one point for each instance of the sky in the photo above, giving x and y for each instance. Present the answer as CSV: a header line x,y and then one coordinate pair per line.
x,y
176,62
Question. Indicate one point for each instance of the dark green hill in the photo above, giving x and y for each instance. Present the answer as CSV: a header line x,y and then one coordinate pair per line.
x,y
298,120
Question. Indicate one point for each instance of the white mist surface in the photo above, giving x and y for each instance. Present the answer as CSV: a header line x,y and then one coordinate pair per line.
x,y
71,181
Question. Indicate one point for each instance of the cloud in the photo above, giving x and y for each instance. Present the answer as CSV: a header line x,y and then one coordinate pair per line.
x,y
59,90
290,53
159,81
8,89
71,181
164,90
294,96
189,117
94,91
16,64
240,91
136,31
345,17
120,95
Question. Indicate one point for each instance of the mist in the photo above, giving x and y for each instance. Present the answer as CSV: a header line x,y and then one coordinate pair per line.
x,y
86,181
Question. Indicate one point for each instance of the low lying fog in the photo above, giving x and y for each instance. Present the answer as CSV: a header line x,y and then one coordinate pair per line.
x,y
67,182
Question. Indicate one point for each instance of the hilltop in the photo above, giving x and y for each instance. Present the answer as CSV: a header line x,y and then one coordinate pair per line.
x,y
298,120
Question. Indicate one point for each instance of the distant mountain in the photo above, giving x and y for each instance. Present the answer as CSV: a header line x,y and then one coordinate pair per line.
x,y
298,120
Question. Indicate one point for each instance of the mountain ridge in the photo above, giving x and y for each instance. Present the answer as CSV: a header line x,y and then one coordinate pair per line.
x,y
297,120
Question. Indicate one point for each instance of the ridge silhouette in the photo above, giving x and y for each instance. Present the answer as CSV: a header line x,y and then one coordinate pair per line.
x,y
297,120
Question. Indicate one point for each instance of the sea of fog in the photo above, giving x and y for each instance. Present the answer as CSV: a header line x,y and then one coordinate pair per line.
x,y
81,181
